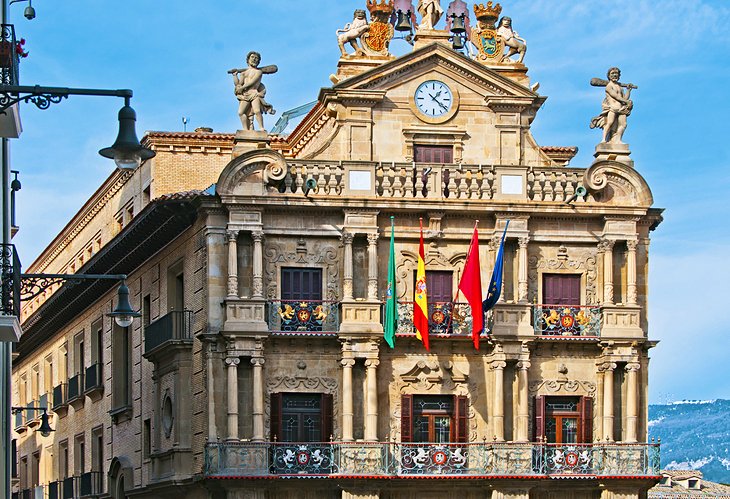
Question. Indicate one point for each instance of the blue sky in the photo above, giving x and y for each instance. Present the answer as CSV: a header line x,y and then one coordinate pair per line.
x,y
175,54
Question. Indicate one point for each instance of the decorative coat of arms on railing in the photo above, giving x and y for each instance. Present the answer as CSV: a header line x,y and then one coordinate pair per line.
x,y
295,316
567,320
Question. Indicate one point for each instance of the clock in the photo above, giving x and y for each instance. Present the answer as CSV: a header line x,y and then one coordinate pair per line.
x,y
433,101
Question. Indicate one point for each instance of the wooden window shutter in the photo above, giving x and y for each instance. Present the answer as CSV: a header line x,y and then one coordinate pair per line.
x,y
586,420
406,418
275,417
461,403
326,417
539,418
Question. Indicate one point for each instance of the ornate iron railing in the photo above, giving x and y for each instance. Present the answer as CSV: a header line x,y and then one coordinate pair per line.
x,y
432,181
444,319
303,316
10,275
423,459
567,320
9,59
176,325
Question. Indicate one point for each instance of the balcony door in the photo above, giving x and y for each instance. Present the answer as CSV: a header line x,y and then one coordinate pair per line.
x,y
564,420
433,418
561,289
439,286
301,284
301,417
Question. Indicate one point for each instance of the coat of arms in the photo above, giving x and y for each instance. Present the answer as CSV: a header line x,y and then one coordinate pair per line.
x,y
377,39
484,35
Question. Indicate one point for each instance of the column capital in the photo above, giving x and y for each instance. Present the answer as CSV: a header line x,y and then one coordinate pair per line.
x,y
631,244
606,244
347,362
257,235
524,365
607,366
497,365
523,241
233,361
633,367
231,235
257,361
372,363
347,237
373,239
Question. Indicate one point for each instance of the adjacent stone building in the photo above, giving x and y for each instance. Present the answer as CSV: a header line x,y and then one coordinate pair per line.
x,y
258,263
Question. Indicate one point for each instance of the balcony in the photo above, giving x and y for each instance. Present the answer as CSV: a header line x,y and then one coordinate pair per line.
x,y
90,484
59,404
70,487
37,492
485,460
567,321
173,327
19,423
76,391
305,318
54,490
445,319
94,382
9,64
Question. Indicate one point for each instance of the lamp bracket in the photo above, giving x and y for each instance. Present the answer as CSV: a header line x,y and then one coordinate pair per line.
x,y
32,285
43,97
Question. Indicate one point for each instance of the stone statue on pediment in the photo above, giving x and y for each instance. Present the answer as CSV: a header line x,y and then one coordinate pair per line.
x,y
512,41
431,13
250,92
616,107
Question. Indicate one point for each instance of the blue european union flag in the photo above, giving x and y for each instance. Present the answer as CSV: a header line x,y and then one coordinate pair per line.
x,y
495,285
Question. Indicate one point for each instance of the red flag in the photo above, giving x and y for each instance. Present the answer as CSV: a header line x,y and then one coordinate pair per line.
x,y
420,300
471,286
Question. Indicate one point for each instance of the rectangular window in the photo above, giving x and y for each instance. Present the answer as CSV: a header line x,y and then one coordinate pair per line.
x,y
79,454
146,310
301,417
434,418
146,439
35,469
48,375
63,460
301,284
121,369
78,359
97,449
176,287
97,341
433,154
561,289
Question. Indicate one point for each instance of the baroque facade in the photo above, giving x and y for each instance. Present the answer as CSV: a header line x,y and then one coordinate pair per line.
x,y
258,264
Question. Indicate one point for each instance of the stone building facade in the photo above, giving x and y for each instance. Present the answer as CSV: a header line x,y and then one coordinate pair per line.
x,y
258,262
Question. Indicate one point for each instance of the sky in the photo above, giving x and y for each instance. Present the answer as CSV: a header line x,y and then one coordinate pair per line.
x,y
174,56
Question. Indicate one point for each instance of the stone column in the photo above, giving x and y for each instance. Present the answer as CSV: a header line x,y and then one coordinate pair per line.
x,y
608,369
523,404
372,267
522,278
608,271
498,409
632,391
212,430
371,398
347,410
232,236
258,399
631,297
258,263
232,363
347,270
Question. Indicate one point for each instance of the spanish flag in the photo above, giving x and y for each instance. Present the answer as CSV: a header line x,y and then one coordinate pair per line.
x,y
420,300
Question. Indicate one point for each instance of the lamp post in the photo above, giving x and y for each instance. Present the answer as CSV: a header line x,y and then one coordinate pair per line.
x,y
127,153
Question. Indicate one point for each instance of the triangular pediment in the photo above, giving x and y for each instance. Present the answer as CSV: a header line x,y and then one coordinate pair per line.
x,y
439,59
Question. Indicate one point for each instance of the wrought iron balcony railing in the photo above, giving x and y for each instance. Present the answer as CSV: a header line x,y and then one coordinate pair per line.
x,y
294,317
432,181
75,387
10,275
433,460
9,58
175,326
447,319
567,320
93,379
90,484
60,396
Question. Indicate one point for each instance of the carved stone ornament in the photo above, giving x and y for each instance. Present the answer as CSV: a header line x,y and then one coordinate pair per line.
x,y
563,386
615,183
584,263
435,260
304,252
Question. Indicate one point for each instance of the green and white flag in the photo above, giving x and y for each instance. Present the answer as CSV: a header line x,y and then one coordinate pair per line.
x,y
391,305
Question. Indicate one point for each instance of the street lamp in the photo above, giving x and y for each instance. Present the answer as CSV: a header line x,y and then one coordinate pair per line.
x,y
31,285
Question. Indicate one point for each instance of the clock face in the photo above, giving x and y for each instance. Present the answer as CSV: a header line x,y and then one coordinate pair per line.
x,y
434,98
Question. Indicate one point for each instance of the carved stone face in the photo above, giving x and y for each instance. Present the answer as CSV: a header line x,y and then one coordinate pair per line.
x,y
254,59
359,14
614,75
507,22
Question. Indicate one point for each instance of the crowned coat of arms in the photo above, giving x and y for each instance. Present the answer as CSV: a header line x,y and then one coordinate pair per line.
x,y
484,35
